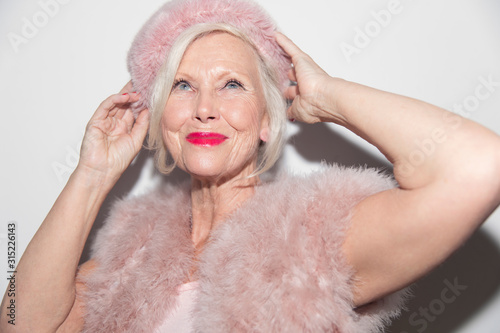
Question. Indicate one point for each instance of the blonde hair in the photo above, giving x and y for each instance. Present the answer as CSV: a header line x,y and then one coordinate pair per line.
x,y
269,151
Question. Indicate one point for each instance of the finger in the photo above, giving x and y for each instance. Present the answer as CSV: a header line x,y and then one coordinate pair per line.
x,y
119,101
291,75
107,106
128,98
288,46
118,113
128,118
298,56
140,127
290,111
291,92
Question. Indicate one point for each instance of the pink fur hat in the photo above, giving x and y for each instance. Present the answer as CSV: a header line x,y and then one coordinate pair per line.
x,y
154,40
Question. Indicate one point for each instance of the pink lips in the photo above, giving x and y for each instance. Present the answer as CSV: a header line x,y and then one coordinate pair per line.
x,y
206,139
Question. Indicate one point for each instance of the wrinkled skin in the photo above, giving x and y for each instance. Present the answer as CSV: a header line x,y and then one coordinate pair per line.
x,y
216,89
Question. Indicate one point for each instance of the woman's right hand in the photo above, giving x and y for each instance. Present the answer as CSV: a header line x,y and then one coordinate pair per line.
x,y
113,137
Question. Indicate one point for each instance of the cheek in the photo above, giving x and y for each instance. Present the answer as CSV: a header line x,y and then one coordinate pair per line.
x,y
244,116
172,121
174,116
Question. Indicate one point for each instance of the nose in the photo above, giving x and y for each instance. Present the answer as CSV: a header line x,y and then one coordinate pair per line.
x,y
206,107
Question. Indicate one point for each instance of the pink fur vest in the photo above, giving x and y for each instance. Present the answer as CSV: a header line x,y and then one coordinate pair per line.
x,y
275,265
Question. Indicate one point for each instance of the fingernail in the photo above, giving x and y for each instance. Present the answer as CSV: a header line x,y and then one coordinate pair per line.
x,y
292,120
125,94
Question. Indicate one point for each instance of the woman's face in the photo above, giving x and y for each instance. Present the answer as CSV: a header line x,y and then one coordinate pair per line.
x,y
215,116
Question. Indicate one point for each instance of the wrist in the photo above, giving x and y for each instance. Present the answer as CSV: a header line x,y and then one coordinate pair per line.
x,y
91,179
330,100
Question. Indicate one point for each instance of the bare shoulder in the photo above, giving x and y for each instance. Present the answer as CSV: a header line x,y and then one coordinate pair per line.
x,y
74,321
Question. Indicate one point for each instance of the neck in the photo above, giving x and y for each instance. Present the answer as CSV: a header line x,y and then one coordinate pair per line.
x,y
213,201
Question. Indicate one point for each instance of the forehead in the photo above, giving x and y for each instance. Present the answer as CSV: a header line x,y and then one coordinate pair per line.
x,y
219,48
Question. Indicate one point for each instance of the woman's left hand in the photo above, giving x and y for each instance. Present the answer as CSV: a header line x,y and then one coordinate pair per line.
x,y
312,96
446,168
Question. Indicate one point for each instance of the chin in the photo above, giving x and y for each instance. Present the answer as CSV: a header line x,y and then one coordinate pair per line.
x,y
214,168
202,170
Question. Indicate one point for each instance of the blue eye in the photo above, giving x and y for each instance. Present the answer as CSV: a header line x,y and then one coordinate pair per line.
x,y
233,84
181,85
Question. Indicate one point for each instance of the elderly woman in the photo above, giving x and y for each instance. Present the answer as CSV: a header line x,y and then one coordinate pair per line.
x,y
327,252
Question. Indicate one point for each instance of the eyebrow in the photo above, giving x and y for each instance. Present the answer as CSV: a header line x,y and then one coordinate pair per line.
x,y
221,72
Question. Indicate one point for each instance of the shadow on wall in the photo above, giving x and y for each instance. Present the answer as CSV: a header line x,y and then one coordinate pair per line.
x,y
451,294
318,142
444,299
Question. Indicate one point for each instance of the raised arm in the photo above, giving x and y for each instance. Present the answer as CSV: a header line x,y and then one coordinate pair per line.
x,y
46,272
446,167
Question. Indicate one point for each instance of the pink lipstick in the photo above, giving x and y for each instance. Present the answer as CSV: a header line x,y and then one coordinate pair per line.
x,y
206,139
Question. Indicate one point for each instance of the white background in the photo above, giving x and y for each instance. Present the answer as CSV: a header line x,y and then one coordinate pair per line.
x,y
54,77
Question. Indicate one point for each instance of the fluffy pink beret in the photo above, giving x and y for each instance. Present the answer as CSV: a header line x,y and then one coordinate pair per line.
x,y
154,40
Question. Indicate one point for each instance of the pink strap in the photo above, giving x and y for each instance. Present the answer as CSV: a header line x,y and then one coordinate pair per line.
x,y
180,320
